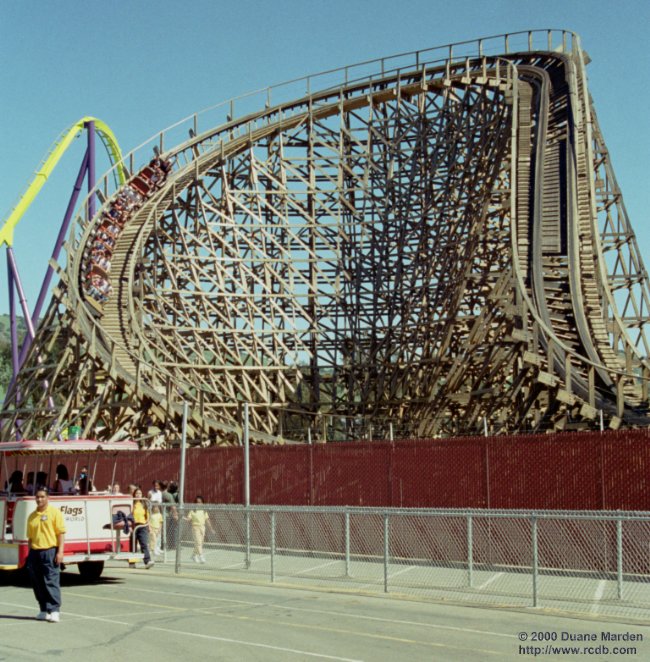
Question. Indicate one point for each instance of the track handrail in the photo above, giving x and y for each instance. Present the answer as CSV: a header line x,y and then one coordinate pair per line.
x,y
550,39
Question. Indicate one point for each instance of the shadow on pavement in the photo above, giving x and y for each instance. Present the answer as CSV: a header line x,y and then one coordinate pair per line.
x,y
20,578
11,617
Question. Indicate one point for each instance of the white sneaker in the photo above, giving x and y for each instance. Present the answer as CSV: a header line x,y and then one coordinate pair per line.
x,y
201,559
149,565
42,616
195,558
53,617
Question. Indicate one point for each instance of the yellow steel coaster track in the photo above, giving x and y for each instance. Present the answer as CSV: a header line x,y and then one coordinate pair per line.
x,y
48,164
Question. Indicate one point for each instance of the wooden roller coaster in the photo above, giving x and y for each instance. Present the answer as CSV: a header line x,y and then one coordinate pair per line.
x,y
439,245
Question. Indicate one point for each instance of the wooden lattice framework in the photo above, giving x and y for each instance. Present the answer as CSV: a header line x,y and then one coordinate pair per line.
x,y
441,248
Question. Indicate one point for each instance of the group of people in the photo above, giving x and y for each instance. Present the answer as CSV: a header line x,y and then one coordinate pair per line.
x,y
126,202
148,518
46,530
63,484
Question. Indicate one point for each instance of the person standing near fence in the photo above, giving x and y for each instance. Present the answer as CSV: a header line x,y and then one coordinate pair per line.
x,y
199,518
155,530
46,536
170,516
155,493
141,530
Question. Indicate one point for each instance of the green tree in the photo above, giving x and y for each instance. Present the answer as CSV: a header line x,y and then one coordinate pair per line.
x,y
5,366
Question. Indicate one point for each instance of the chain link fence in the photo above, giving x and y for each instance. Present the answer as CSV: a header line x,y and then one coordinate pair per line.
x,y
569,471
584,562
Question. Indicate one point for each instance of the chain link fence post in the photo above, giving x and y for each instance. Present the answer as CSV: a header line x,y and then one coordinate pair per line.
x,y
386,548
163,533
181,514
272,546
533,524
179,539
470,552
619,557
347,543
247,488
247,552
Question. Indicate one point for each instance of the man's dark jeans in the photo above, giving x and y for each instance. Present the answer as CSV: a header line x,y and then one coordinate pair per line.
x,y
46,578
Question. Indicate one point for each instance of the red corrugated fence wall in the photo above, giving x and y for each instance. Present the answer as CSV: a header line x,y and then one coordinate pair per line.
x,y
572,471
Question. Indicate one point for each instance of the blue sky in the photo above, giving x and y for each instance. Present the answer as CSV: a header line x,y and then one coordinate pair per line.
x,y
140,66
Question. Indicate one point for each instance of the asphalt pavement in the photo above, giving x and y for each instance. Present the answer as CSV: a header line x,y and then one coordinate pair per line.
x,y
150,616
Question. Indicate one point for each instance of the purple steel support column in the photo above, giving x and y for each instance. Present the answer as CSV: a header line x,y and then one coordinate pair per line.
x,y
88,159
15,277
12,319
21,293
23,304
65,225
90,127
14,340
87,166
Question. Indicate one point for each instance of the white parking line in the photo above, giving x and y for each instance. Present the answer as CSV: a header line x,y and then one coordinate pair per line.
x,y
598,596
489,581
346,615
242,563
68,613
196,596
253,644
168,630
399,572
316,567
361,617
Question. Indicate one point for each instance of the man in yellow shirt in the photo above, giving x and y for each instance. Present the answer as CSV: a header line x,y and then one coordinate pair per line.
x,y
46,535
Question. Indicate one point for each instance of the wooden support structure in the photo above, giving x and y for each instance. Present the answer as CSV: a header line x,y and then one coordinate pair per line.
x,y
417,250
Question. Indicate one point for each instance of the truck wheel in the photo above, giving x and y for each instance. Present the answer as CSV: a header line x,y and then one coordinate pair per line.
x,y
91,569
